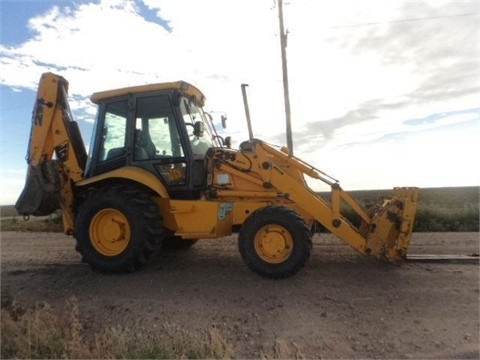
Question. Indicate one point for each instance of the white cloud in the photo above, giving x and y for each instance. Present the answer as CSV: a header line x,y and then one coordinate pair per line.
x,y
358,70
11,185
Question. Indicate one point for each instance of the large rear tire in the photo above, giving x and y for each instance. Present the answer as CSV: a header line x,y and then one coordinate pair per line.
x,y
275,242
118,228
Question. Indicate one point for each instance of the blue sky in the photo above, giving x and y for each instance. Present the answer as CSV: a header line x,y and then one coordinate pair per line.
x,y
383,93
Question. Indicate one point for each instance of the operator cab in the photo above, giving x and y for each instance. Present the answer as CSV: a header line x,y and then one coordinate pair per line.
x,y
160,128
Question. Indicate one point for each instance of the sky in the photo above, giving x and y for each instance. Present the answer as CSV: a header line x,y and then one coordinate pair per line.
x,y
382,93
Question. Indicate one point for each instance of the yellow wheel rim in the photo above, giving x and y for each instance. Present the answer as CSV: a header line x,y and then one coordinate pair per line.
x,y
109,232
273,244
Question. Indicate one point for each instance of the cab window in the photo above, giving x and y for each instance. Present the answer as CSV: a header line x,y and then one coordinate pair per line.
x,y
199,142
156,134
112,142
157,139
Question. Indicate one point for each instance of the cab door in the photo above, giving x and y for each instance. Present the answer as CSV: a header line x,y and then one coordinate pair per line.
x,y
157,143
109,147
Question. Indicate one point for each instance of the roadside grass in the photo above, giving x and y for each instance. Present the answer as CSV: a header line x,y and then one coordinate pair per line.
x,y
17,223
435,218
10,220
453,209
41,333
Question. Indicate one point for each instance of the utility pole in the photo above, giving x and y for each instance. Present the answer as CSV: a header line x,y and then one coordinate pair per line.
x,y
283,47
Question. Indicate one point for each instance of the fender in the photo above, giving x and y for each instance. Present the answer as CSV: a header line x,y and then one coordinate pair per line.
x,y
131,173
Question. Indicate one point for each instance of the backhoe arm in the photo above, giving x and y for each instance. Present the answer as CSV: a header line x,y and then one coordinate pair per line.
x,y
56,154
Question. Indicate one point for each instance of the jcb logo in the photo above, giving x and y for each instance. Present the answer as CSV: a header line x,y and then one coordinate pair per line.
x,y
62,151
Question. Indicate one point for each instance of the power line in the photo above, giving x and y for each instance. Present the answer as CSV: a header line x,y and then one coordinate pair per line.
x,y
405,20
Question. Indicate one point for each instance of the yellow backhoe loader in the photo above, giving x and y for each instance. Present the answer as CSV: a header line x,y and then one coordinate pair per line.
x,y
157,172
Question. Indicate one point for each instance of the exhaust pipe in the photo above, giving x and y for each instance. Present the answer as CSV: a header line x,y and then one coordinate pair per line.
x,y
247,111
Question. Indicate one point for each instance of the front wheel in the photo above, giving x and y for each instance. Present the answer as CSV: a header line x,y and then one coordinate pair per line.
x,y
275,242
118,228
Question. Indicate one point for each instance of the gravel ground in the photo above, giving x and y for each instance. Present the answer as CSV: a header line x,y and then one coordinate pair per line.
x,y
341,305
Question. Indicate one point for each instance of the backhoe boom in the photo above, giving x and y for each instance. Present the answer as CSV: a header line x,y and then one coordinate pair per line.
x,y
56,154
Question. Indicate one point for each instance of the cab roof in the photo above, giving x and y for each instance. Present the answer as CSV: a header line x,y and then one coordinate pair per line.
x,y
182,86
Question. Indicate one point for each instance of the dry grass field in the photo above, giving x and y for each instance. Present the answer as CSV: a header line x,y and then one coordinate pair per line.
x,y
205,303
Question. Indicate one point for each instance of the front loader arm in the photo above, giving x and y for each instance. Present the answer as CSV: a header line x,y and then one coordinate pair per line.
x,y
386,227
56,154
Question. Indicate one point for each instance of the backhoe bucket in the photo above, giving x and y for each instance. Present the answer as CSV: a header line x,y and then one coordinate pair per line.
x,y
389,232
41,194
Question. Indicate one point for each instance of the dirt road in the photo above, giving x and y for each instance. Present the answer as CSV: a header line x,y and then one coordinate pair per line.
x,y
341,305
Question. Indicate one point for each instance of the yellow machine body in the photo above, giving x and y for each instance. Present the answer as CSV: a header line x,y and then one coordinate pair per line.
x,y
239,187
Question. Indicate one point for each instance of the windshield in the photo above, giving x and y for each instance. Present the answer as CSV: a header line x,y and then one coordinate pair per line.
x,y
200,141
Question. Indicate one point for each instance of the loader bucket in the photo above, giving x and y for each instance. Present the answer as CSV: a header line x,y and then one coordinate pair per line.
x,y
389,232
41,193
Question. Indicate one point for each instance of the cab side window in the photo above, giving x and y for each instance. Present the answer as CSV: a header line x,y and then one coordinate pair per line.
x,y
112,143
156,134
156,137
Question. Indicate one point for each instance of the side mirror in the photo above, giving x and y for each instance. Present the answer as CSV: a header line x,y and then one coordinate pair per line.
x,y
224,121
228,142
198,129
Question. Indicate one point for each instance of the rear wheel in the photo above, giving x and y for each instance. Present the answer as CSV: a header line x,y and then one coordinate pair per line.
x,y
275,242
118,228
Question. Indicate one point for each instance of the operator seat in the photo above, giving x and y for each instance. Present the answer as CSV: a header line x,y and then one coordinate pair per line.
x,y
139,143
148,145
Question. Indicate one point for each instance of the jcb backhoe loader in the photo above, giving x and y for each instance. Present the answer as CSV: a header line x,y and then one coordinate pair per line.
x,y
158,172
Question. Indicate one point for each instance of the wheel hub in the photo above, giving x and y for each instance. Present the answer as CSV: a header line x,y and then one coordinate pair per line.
x,y
273,244
109,232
